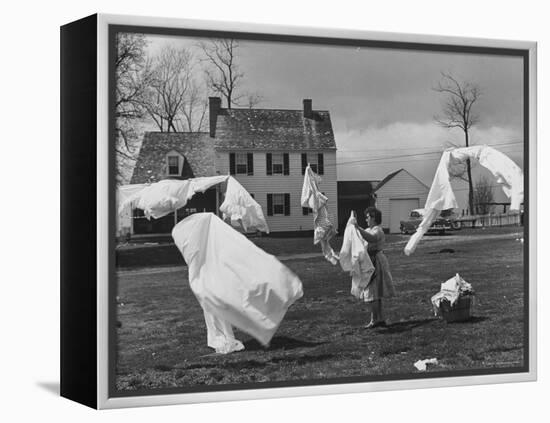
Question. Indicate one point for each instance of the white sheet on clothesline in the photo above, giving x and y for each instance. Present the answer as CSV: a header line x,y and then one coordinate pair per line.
x,y
162,198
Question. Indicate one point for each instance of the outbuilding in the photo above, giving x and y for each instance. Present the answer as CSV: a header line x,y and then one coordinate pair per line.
x,y
396,195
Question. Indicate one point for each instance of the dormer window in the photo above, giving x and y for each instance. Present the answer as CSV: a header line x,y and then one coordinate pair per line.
x,y
174,164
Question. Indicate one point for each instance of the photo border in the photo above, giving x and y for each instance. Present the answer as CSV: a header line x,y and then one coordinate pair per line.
x,y
108,25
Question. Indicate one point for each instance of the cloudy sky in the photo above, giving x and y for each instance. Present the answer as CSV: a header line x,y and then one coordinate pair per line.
x,y
382,101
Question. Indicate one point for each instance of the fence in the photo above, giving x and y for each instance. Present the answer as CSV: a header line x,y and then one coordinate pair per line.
x,y
492,219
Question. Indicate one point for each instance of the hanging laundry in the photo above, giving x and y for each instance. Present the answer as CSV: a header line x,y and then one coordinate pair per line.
x,y
242,209
313,198
235,282
441,195
162,198
506,172
355,259
124,215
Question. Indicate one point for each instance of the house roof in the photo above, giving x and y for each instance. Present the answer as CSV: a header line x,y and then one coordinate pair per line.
x,y
196,147
269,129
389,177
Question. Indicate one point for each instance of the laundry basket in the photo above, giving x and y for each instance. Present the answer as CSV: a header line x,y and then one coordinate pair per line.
x,y
460,311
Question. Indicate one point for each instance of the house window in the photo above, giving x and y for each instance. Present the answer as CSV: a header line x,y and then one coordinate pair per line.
x,y
313,162
240,163
316,162
278,204
173,165
277,164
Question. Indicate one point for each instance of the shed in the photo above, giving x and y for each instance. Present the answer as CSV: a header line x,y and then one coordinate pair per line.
x,y
396,195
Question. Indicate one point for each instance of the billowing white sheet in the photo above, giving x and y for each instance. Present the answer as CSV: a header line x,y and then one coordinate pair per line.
x,y
233,279
162,198
355,259
441,195
242,209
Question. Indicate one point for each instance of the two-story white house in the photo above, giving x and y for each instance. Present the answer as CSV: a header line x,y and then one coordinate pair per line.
x,y
266,150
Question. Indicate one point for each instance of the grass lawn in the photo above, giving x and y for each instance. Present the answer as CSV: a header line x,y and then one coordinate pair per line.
x,y
166,254
162,335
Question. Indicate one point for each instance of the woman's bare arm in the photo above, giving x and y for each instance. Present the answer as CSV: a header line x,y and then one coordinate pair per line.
x,y
369,237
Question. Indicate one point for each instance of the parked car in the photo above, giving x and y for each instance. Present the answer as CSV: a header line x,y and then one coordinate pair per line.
x,y
453,219
440,225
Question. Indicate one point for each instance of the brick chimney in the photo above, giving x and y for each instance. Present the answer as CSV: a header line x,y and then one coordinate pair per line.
x,y
214,106
308,112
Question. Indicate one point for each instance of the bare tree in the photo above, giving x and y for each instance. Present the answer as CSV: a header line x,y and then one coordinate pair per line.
x,y
483,196
170,80
223,74
194,108
131,82
252,99
174,100
457,113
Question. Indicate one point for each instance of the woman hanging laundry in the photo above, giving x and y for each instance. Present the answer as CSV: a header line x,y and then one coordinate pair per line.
x,y
381,282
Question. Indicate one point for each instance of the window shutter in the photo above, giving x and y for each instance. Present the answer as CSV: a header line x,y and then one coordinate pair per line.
x,y
250,163
320,167
232,163
305,211
287,204
285,164
268,164
304,163
270,204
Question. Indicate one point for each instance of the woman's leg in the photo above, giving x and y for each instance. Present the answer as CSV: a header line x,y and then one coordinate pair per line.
x,y
371,307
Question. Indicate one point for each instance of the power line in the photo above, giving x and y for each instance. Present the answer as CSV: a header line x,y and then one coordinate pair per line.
x,y
421,148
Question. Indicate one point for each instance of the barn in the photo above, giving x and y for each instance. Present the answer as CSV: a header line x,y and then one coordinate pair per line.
x,y
396,195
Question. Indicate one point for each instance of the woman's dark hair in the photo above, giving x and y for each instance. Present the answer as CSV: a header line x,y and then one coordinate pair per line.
x,y
375,213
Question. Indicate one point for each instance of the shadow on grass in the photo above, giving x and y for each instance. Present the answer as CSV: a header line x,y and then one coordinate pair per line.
x,y
406,326
409,325
280,342
473,319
